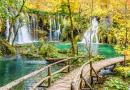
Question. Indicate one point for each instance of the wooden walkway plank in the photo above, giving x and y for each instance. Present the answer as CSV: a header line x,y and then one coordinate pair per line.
x,y
64,83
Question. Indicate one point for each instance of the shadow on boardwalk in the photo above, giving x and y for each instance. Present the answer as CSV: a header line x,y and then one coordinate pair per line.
x,y
64,83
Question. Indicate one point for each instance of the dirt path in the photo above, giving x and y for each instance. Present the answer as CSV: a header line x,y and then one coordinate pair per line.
x,y
64,83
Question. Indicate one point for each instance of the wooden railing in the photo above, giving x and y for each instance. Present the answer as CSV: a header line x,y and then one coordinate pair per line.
x,y
77,82
16,82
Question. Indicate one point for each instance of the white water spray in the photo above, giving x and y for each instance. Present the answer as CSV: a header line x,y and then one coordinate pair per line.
x,y
94,38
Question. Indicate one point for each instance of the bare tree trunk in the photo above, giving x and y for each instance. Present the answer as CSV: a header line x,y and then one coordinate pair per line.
x,y
72,28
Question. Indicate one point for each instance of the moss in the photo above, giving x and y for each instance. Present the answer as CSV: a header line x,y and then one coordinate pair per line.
x,y
1,53
49,50
30,54
6,48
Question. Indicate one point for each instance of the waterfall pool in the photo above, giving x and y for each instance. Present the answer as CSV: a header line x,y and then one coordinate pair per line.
x,y
101,49
14,67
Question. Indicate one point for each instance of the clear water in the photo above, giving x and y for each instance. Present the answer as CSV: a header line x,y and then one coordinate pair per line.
x,y
12,68
101,49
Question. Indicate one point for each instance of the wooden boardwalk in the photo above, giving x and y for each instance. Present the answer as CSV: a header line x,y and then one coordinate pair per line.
x,y
64,83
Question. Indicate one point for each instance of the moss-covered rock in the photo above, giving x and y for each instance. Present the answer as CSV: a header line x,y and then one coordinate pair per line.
x,y
29,50
30,54
48,50
6,48
1,53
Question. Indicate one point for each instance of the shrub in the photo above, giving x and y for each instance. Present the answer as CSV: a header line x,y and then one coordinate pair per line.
x,y
97,58
114,83
64,51
123,71
48,50
6,48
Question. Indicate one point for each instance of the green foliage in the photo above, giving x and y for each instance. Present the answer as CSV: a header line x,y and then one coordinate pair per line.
x,y
79,62
29,50
39,12
48,50
123,71
113,83
56,77
97,58
31,54
1,53
77,39
82,54
6,48
1,38
105,30
33,48
64,51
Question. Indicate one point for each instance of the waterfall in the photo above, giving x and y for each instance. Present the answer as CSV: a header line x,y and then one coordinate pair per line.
x,y
56,33
7,29
64,20
25,29
94,38
54,28
50,29
23,34
33,26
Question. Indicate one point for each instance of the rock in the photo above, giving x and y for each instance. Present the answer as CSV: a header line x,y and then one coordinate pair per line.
x,y
6,48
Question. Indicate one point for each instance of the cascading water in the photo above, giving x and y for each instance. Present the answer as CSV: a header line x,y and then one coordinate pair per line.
x,y
34,27
64,20
7,29
24,28
58,31
24,35
94,38
56,34
50,29
27,32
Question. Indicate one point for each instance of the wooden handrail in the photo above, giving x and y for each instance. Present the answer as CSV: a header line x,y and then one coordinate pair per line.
x,y
74,85
16,82
48,77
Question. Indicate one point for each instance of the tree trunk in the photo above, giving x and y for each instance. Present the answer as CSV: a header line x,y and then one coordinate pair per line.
x,y
90,31
10,32
72,29
14,20
3,27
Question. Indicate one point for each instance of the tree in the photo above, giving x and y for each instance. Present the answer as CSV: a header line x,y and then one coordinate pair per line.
x,y
15,16
121,16
72,28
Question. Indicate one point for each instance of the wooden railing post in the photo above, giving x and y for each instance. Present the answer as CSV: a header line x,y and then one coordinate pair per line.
x,y
81,75
77,50
91,75
49,74
69,65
